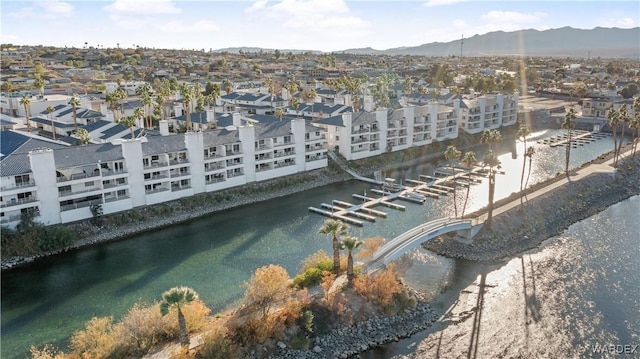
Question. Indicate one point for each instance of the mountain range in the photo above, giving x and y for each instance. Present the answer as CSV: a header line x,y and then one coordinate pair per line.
x,y
561,42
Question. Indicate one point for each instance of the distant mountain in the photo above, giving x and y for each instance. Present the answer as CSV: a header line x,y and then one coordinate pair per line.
x,y
566,41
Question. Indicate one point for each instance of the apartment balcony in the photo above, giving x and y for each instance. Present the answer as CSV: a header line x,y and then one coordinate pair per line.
x,y
284,164
110,172
156,164
263,148
179,174
11,187
9,219
112,185
78,176
70,207
263,167
282,144
179,188
359,140
314,148
114,199
176,161
212,155
156,190
360,130
19,201
231,174
315,158
156,177
63,194
217,166
215,180
283,154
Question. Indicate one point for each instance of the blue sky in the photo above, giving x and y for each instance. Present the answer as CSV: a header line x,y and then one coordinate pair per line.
x,y
325,25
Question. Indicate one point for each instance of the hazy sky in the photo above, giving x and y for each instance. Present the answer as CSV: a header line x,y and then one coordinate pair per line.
x,y
325,25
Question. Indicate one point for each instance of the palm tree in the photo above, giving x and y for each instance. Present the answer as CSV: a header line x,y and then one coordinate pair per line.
x,y
529,154
625,119
186,92
146,100
491,138
268,83
26,102
177,298
130,123
50,110
279,113
614,120
523,132
227,85
311,97
469,160
452,154
213,95
83,136
74,102
491,160
120,94
38,83
569,124
295,103
138,114
334,228
635,124
350,243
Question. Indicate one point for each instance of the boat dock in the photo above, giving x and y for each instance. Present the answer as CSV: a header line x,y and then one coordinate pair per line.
x,y
415,191
578,138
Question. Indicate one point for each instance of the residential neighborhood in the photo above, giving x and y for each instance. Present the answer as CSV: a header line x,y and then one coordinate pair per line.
x,y
118,129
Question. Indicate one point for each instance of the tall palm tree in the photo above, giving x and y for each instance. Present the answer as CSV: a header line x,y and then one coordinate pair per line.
x,y
146,100
523,132
452,154
138,114
50,110
613,118
120,95
350,243
211,99
311,97
112,103
569,124
625,119
74,102
38,84
635,124
177,298
186,92
491,138
491,160
295,103
334,228
130,123
529,154
469,160
269,84
279,113
25,101
227,85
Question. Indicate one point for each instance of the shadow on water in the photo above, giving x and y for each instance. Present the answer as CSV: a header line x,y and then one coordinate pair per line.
x,y
464,273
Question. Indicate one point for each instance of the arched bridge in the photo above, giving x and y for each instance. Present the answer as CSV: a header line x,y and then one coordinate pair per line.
x,y
412,238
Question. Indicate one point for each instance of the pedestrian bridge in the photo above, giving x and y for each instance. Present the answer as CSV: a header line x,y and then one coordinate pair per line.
x,y
394,249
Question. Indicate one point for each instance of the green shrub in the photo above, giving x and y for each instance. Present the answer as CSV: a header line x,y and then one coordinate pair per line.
x,y
310,277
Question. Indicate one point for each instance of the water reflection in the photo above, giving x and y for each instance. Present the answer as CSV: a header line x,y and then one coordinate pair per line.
x,y
47,301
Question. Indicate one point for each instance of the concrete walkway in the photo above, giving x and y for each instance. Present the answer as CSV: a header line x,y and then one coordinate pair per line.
x,y
594,168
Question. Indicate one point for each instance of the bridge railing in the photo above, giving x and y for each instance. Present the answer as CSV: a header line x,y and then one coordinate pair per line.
x,y
424,229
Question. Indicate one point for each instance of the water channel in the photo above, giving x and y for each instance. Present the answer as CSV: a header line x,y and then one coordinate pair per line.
x,y
47,301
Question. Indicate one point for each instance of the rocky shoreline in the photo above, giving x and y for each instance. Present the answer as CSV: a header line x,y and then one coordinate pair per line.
x,y
347,341
179,214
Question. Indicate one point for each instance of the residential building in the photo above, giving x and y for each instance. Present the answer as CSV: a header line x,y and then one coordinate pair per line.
x,y
62,183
